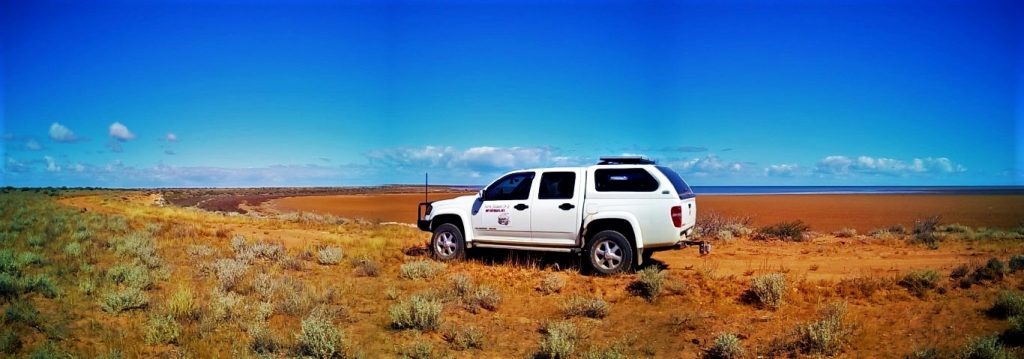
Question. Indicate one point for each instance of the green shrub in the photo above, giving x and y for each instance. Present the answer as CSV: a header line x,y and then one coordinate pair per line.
x,y
421,269
41,284
984,348
1007,304
22,311
124,299
920,282
1016,330
552,283
319,338
726,346
10,343
788,231
47,350
30,259
36,240
10,286
132,275
559,340
328,255
648,283
417,312
87,286
828,334
365,266
73,249
769,289
993,270
182,304
924,231
1016,262
468,337
714,224
578,306
162,329
7,262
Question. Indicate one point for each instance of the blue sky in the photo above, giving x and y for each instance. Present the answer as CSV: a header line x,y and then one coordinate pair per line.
x,y
299,93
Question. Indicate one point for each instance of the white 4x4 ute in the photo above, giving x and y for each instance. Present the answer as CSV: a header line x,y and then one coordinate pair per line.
x,y
616,213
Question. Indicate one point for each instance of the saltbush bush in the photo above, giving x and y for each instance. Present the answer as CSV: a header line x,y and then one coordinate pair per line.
x,y
417,312
328,255
319,338
421,269
726,346
162,329
1007,304
559,340
124,299
769,290
920,282
787,231
648,283
828,334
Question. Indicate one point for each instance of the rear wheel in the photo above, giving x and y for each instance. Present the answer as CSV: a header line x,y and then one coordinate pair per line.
x,y
609,252
447,243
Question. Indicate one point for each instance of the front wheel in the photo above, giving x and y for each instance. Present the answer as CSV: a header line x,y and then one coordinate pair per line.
x,y
447,243
609,252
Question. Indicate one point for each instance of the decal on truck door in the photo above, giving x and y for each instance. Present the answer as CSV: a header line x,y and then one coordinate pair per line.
x,y
503,219
500,212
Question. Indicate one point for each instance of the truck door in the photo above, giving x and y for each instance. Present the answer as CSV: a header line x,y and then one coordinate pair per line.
x,y
504,215
556,208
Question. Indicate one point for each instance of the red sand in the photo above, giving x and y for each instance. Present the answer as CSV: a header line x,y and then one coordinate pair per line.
x,y
822,212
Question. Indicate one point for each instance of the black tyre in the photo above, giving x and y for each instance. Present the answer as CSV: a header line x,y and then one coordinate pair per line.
x,y
609,252
447,243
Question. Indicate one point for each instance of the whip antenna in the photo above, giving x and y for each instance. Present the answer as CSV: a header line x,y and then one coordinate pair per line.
x,y
426,179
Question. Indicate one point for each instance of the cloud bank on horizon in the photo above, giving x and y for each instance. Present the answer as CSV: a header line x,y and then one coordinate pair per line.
x,y
318,94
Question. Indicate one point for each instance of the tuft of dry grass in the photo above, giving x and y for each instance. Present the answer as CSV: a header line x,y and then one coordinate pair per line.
x,y
328,255
769,290
417,312
421,269
578,306
182,304
559,340
648,283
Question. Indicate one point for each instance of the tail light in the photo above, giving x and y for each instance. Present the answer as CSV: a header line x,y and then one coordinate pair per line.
x,y
677,216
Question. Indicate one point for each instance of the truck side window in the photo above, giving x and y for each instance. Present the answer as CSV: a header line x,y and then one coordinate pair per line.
x,y
624,180
513,187
557,185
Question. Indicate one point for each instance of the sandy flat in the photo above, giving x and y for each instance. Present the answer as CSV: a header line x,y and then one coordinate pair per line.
x,y
823,212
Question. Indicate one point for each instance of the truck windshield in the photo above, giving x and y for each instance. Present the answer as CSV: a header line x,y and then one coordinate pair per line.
x,y
681,187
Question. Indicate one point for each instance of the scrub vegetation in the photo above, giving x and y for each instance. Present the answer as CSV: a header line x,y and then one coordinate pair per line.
x,y
111,274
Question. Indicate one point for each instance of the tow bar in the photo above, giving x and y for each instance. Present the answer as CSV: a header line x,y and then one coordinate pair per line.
x,y
704,247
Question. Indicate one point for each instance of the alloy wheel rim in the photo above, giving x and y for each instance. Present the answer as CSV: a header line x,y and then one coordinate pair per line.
x,y
607,255
445,244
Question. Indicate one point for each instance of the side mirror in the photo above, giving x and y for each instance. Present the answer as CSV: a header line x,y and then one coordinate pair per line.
x,y
480,194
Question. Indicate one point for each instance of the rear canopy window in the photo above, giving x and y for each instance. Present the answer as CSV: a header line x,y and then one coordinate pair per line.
x,y
681,187
624,180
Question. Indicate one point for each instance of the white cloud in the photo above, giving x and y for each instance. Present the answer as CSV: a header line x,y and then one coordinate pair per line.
x,y
60,133
51,165
709,165
865,165
473,161
33,145
171,137
120,132
783,170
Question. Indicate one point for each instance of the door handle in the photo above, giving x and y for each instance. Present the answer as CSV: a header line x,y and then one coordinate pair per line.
x,y
566,206
521,207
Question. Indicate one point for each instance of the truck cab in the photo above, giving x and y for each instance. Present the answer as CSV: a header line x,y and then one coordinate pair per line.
x,y
616,212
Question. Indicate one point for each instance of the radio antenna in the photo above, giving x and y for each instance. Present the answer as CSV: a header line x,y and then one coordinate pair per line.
x,y
426,180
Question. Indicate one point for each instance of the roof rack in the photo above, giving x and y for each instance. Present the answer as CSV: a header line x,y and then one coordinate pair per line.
x,y
626,160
